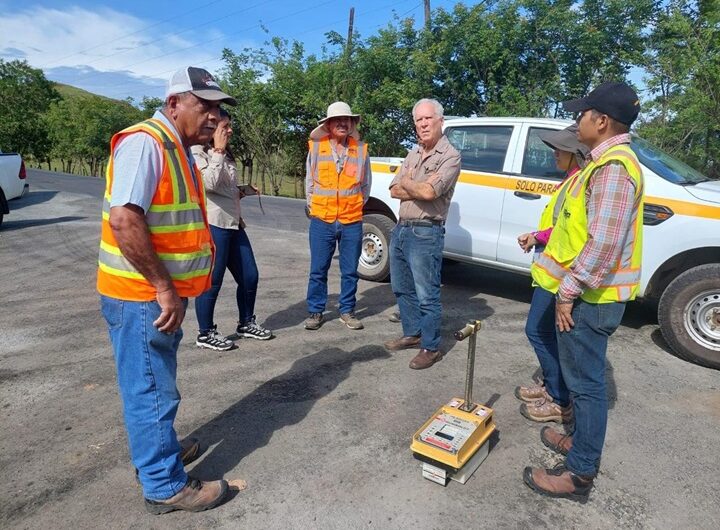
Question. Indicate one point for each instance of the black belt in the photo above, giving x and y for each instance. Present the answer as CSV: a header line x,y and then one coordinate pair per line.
x,y
420,222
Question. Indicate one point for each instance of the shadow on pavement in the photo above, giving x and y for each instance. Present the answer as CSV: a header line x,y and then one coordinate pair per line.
x,y
31,199
17,225
282,401
369,303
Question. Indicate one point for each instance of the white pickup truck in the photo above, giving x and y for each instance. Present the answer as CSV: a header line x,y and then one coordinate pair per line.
x,y
508,175
13,183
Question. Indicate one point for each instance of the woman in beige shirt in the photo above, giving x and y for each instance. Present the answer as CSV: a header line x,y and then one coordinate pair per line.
x,y
232,246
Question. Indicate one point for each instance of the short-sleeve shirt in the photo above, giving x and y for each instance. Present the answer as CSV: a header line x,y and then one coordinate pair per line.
x,y
441,167
137,167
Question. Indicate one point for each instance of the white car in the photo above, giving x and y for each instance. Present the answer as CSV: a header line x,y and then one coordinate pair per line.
x,y
508,175
13,183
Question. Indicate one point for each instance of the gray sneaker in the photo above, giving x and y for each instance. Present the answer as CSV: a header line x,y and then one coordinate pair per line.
x,y
212,340
395,317
314,321
351,321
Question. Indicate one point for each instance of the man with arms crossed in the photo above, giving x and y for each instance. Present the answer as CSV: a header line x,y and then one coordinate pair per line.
x,y
424,185
155,252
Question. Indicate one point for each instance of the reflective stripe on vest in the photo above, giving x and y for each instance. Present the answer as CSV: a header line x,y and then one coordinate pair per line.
x,y
177,222
337,196
570,235
549,216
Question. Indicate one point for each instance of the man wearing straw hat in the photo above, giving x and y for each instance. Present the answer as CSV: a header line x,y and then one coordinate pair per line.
x,y
337,185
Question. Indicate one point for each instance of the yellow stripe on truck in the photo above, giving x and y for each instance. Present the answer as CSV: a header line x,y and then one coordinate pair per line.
x,y
540,187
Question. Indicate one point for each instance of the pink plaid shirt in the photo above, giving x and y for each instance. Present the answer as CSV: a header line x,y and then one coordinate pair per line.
x,y
609,200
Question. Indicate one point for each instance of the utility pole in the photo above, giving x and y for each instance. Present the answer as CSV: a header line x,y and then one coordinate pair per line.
x,y
348,45
427,14
345,83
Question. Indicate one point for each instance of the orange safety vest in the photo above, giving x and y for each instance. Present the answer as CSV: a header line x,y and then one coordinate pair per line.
x,y
337,196
177,221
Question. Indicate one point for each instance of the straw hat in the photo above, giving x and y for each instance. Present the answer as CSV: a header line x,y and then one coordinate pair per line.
x,y
336,110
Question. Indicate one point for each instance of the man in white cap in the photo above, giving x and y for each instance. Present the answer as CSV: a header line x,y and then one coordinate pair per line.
x,y
155,252
337,185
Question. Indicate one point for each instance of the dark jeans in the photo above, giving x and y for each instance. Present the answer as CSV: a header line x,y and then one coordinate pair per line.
x,y
415,266
582,360
232,251
324,239
541,332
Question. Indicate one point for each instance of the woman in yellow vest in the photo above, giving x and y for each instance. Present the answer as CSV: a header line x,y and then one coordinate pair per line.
x,y
549,401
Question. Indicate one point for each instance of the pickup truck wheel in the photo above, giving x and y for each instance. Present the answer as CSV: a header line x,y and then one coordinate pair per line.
x,y
374,264
689,315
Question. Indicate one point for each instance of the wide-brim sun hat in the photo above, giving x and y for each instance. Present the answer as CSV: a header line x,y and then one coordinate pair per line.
x,y
338,109
565,140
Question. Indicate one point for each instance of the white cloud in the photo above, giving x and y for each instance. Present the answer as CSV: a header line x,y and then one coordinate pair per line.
x,y
104,40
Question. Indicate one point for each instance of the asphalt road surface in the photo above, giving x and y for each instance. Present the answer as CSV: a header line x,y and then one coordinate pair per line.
x,y
318,423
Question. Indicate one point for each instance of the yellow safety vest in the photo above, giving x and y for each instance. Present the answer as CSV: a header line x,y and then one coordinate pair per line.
x,y
177,221
570,234
549,216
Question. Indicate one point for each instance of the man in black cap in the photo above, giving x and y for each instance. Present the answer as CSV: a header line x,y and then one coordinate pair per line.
x,y
592,262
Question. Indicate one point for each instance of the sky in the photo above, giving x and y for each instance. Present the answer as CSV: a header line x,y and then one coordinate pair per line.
x,y
130,48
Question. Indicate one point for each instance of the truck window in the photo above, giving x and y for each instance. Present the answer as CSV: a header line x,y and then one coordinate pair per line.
x,y
669,168
538,160
483,148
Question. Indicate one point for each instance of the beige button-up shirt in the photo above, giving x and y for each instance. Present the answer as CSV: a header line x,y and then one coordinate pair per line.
x,y
440,167
219,174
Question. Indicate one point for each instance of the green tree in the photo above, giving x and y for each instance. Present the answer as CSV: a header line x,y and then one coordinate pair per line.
x,y
25,95
683,64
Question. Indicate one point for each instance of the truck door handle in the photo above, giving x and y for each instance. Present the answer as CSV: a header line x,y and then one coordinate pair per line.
x,y
527,196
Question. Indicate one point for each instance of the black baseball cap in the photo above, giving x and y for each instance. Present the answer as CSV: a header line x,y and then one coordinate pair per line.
x,y
565,140
199,82
617,100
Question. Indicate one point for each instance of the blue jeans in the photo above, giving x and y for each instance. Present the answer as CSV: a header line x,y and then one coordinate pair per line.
x,y
415,266
541,332
146,361
582,360
232,251
324,238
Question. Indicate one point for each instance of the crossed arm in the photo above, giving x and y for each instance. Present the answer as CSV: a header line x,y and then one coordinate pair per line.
x,y
407,189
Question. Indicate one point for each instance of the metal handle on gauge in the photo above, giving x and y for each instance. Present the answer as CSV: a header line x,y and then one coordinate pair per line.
x,y
469,330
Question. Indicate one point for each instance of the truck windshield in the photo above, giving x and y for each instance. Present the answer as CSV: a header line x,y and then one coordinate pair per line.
x,y
666,166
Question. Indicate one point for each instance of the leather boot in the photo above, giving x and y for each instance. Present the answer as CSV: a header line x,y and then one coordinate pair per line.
x,y
559,483
196,496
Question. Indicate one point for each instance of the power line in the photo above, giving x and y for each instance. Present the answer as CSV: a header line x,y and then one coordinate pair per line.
x,y
126,50
133,33
205,42
219,58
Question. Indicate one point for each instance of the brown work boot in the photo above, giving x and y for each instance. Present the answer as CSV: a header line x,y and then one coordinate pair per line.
x,y
189,452
559,483
314,321
395,317
544,410
196,496
557,441
528,394
425,359
403,343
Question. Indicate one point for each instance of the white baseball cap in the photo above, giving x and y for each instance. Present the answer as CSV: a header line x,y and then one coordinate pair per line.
x,y
198,82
